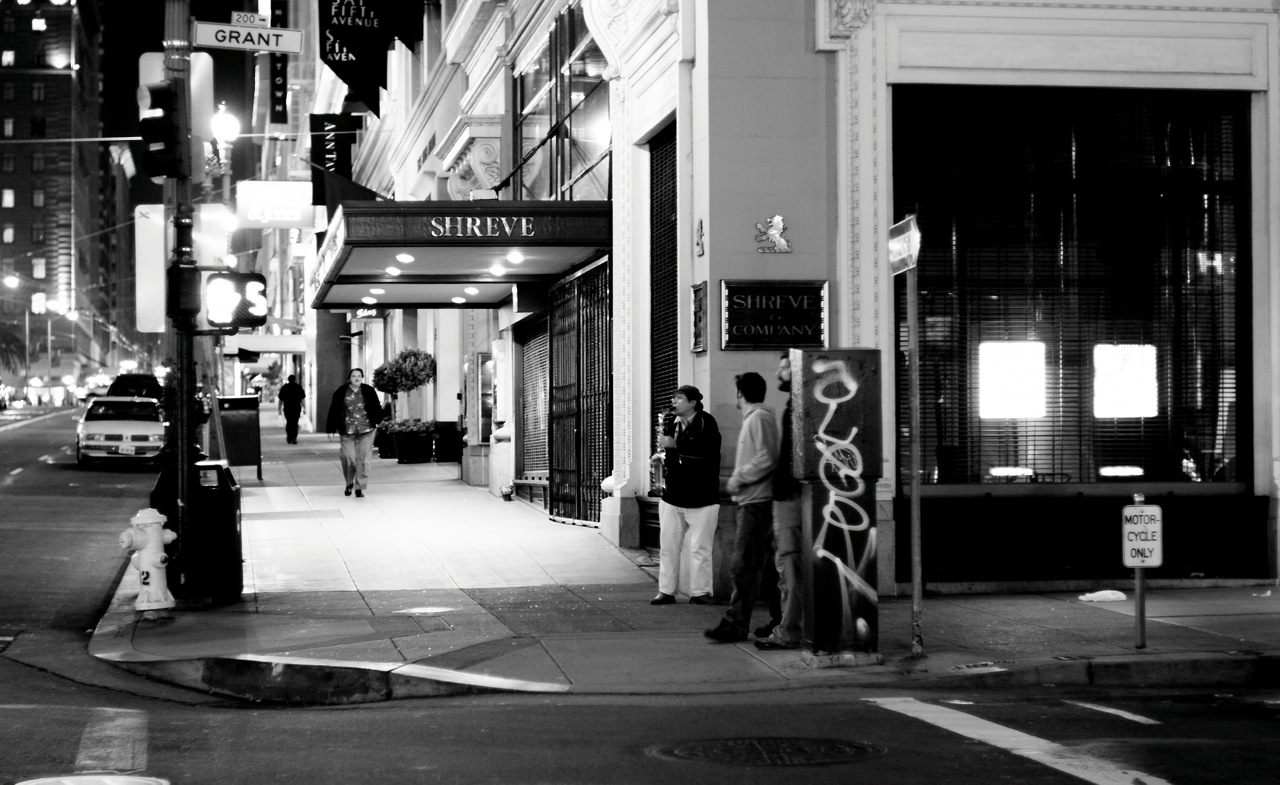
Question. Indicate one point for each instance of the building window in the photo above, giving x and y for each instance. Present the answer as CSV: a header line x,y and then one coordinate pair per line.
x,y
8,128
1083,309
39,24
7,234
37,197
7,58
7,91
563,129
38,268
37,92
37,128
6,197
37,232
37,162
8,162
9,24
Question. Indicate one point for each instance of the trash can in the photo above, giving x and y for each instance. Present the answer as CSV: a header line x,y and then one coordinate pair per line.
x,y
238,440
207,561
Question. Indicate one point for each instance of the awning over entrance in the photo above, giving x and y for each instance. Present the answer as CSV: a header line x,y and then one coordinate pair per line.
x,y
452,254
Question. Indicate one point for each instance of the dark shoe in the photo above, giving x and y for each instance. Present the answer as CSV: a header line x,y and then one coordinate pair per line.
x,y
766,630
769,644
359,494
702,599
726,633
347,492
662,599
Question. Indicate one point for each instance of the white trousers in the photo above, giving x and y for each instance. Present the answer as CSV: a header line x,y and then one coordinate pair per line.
x,y
674,523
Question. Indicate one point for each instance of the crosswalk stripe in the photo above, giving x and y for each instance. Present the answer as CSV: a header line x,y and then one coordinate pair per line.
x,y
1118,712
114,740
1048,753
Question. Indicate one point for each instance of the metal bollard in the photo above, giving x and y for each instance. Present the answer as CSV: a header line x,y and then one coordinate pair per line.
x,y
147,539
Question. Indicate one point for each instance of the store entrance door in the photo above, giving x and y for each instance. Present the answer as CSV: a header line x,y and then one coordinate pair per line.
x,y
581,393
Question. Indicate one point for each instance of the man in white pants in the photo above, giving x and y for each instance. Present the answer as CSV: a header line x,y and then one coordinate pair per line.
x,y
691,496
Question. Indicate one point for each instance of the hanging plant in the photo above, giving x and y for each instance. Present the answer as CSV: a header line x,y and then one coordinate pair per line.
x,y
406,372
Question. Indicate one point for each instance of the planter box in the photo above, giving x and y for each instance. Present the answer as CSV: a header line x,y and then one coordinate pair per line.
x,y
384,444
413,447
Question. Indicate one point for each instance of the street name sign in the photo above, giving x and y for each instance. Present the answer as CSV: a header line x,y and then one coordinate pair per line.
x,y
1143,535
253,39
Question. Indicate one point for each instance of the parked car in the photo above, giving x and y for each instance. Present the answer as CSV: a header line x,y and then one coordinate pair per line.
x,y
137,385
120,428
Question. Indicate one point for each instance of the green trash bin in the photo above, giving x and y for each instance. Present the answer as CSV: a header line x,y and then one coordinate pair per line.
x,y
239,429
208,564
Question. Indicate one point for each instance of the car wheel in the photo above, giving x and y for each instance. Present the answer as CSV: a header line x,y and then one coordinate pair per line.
x,y
82,460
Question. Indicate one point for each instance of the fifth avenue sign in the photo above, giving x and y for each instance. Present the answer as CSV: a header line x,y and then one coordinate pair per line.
x,y
253,39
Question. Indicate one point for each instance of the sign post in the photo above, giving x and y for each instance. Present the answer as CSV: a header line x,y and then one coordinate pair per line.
x,y
904,248
1142,544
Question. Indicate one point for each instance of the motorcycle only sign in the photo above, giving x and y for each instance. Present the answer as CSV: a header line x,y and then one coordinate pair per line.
x,y
1142,528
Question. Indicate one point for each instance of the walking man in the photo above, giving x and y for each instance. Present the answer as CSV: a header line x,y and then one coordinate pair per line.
x,y
691,497
786,532
752,490
290,397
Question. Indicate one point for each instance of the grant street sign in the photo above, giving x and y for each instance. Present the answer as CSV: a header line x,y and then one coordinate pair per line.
x,y
252,39
1143,535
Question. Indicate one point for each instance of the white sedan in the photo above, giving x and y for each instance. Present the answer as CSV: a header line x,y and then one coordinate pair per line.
x,y
118,427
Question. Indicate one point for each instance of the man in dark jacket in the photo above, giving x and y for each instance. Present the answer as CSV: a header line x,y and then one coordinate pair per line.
x,y
290,397
691,498
354,413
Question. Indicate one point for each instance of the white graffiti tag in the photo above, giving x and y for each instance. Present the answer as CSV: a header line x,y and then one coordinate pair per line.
x,y
840,470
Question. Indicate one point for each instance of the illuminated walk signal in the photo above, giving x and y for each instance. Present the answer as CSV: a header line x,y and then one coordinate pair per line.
x,y
231,301
163,127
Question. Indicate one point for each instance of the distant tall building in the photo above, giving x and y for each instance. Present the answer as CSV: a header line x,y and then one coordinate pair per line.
x,y
50,164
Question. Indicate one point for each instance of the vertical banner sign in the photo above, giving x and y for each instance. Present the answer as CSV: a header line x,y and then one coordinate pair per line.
x,y
354,37
278,68
836,414
332,136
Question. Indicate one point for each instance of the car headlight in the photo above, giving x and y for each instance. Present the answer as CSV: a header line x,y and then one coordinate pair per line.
x,y
157,437
97,437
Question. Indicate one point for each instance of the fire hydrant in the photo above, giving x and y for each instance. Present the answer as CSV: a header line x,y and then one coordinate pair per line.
x,y
147,539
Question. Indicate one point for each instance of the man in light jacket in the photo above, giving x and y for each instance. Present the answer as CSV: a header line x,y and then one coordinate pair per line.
x,y
752,488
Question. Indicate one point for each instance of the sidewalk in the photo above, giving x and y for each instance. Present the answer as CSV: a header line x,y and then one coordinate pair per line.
x,y
430,587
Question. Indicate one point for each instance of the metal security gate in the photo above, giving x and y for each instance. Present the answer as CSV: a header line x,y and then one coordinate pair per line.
x,y
581,445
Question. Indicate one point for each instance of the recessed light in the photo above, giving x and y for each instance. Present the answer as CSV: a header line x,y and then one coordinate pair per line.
x,y
515,257
393,271
471,290
404,257
368,300
497,269
459,300
377,291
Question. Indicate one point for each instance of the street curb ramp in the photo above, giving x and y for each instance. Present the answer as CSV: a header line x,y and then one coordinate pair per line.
x,y
299,681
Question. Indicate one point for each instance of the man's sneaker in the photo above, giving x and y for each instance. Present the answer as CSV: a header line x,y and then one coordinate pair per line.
x,y
702,599
726,633
765,630
662,599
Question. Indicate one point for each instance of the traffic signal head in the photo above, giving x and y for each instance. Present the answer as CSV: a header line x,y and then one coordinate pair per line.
x,y
232,301
163,127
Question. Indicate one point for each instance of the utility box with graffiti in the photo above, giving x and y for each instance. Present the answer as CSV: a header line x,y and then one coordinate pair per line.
x,y
836,419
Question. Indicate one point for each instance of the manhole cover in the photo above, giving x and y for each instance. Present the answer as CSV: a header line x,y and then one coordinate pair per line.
x,y
400,626
96,780
769,751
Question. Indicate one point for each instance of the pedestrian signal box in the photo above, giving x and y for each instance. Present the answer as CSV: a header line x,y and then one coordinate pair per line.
x,y
230,301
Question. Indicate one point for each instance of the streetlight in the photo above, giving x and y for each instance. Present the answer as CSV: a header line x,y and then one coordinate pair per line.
x,y
226,128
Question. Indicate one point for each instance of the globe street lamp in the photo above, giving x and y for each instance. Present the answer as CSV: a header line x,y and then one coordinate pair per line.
x,y
226,128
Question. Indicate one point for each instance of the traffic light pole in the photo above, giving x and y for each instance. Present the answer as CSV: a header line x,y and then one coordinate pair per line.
x,y
177,67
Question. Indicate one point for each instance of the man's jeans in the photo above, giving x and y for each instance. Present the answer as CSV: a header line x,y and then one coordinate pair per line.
x,y
354,453
787,545
750,548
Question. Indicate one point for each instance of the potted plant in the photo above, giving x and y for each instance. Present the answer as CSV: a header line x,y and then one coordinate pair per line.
x,y
413,439
406,372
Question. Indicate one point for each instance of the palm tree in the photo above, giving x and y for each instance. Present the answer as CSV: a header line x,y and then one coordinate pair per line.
x,y
13,354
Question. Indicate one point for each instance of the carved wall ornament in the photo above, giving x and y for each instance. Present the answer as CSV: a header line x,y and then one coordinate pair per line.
x,y
772,232
478,168
848,16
